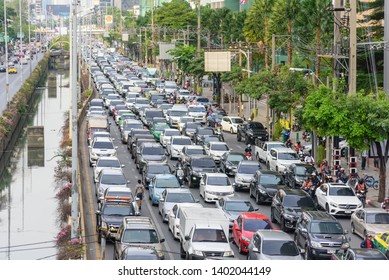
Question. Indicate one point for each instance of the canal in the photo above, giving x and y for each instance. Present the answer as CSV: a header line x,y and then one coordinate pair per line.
x,y
28,207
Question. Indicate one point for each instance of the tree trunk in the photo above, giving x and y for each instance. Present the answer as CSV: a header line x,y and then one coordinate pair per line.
x,y
289,42
382,171
317,64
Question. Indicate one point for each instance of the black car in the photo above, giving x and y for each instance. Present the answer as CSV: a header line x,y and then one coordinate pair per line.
x,y
195,168
297,173
265,185
139,253
214,119
201,131
137,139
110,217
287,206
251,130
152,169
320,235
136,132
229,162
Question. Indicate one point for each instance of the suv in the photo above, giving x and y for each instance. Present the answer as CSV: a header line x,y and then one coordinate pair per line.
x,y
297,173
196,166
320,235
101,147
138,231
245,173
249,131
149,152
110,216
279,159
287,206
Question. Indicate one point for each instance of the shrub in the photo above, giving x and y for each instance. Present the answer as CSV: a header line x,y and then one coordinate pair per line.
x,y
277,131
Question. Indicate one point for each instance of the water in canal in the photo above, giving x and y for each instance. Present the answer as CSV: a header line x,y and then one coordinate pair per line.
x,y
28,207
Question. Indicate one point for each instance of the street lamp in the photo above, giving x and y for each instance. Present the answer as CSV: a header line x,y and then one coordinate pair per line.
x,y
6,54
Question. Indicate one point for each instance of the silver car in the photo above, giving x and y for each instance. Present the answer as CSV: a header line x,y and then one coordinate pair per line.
x,y
108,178
369,221
171,197
272,245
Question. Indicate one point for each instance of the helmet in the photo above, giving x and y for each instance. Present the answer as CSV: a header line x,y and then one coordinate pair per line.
x,y
179,159
387,199
249,146
298,142
313,174
342,169
361,181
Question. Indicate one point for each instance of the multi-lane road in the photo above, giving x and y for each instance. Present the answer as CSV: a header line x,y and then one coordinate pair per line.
x,y
171,246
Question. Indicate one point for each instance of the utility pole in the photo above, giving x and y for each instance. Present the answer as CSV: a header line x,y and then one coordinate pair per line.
x,y
146,48
352,75
20,42
73,73
140,45
273,51
198,29
6,53
386,51
152,32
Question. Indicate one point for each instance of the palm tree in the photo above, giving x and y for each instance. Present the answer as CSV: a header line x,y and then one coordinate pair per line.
x,y
256,27
284,10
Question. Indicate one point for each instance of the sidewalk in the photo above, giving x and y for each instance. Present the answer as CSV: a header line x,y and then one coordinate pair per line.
x,y
372,195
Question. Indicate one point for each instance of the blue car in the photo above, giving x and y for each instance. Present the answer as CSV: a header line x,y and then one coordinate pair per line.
x,y
159,183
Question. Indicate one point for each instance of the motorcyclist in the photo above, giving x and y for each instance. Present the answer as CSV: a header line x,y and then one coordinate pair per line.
x,y
298,146
288,143
385,203
309,159
324,169
179,164
342,176
248,149
360,187
307,185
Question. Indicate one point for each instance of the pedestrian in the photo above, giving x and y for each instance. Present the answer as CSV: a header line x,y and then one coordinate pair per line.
x,y
376,164
139,193
364,159
368,242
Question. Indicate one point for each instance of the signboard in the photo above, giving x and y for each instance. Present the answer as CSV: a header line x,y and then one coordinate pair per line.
x,y
108,19
18,35
163,51
58,10
217,61
125,37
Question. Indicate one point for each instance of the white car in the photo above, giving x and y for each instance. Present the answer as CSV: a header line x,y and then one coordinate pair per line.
x,y
214,186
183,120
174,218
106,163
101,147
279,159
337,199
198,112
262,148
171,197
216,150
183,93
167,134
231,124
176,145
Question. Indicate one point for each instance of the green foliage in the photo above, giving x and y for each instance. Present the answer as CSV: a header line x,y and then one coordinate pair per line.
x,y
234,76
321,154
176,14
277,130
183,55
257,21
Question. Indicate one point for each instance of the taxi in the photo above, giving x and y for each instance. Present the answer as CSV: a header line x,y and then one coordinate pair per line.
x,y
381,241
12,69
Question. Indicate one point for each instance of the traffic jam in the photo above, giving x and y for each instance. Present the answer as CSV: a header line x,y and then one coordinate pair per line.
x,y
221,189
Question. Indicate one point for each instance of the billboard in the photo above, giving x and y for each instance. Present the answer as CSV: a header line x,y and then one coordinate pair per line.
x,y
58,10
163,48
217,61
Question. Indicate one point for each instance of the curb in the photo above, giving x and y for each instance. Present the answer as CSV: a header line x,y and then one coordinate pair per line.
x,y
373,203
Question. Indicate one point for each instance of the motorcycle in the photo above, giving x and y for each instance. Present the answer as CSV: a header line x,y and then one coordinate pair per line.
x,y
249,156
180,174
362,197
218,131
301,155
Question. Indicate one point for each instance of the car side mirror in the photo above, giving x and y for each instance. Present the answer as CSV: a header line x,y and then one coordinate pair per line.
x,y
122,166
116,147
187,237
162,200
304,230
274,158
255,250
162,240
93,164
237,228
345,231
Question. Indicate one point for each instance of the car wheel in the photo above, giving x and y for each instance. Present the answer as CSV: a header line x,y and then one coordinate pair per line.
x,y
352,228
238,137
246,140
307,255
272,218
240,248
268,165
257,200
231,131
327,209
250,193
182,253
282,224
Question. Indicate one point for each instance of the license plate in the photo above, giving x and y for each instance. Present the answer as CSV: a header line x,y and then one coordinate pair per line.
x,y
347,211
331,251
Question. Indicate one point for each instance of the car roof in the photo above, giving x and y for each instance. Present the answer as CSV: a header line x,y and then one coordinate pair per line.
x,y
194,147
268,172
180,137
138,222
320,216
337,185
165,176
175,190
374,210
151,144
108,158
216,174
368,253
112,171
102,139
294,192
249,162
118,189
274,235
217,143
283,150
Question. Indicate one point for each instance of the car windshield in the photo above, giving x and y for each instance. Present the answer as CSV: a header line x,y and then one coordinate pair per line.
x,y
130,126
279,248
186,120
186,93
117,210
271,179
172,133
130,100
248,168
177,113
113,97
153,114
196,109
209,235
202,100
326,228
171,86
341,191
256,224
158,151
218,181
181,141
377,218
103,145
304,170
256,126
237,120
235,158
219,147
180,198
140,236
195,152
207,131
204,163
211,138
113,179
167,183
159,169
238,206
141,101
192,125
160,126
294,201
287,156
131,256
108,163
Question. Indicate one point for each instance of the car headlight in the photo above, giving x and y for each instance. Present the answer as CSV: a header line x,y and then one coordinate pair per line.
x,y
194,173
262,191
228,254
229,193
333,204
161,254
143,161
288,217
360,205
245,238
104,225
198,253
315,244
345,245
156,193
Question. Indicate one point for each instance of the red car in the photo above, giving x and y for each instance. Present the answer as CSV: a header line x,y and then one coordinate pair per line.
x,y
246,225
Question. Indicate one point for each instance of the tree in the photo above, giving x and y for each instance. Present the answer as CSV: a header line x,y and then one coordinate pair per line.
x,y
176,14
256,26
284,11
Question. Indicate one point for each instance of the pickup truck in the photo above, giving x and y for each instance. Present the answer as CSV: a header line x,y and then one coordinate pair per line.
x,y
359,254
204,233
262,148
